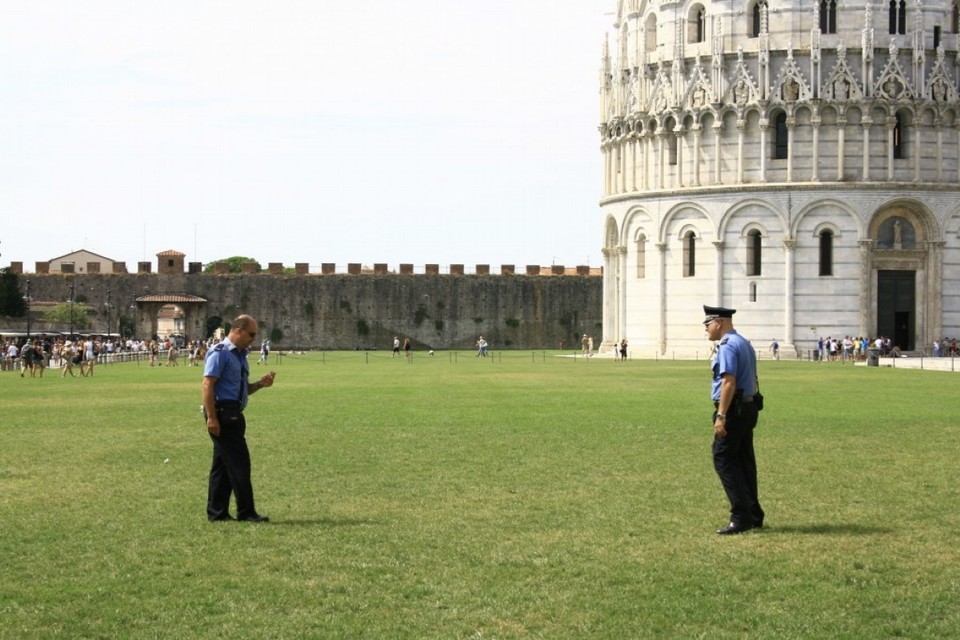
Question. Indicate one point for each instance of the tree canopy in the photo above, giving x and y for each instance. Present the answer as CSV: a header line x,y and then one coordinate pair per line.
x,y
11,298
62,313
235,263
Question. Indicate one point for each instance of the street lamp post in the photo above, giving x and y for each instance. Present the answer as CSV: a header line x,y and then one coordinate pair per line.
x,y
108,313
27,298
72,291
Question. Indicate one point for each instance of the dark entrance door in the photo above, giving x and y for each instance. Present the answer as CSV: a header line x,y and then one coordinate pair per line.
x,y
896,306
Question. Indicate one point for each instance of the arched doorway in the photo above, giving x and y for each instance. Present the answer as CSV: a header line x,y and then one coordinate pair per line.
x,y
165,314
905,269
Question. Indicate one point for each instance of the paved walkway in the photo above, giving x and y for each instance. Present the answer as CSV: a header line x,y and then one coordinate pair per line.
x,y
932,364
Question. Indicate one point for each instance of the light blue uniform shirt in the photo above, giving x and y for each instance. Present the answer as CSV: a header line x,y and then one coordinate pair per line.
x,y
735,355
229,366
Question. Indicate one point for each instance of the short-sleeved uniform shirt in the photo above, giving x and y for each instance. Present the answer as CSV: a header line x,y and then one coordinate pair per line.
x,y
735,355
229,366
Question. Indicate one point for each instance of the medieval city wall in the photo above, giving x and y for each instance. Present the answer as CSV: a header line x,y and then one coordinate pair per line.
x,y
348,311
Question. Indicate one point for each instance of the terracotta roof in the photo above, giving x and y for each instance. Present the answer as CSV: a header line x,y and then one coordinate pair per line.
x,y
170,297
170,252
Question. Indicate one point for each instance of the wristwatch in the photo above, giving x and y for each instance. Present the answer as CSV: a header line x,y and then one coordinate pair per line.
x,y
722,415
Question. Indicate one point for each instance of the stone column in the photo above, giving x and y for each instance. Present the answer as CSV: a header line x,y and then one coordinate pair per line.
x,y
891,122
958,152
841,125
678,173
867,312
917,148
632,162
814,169
866,149
741,129
661,157
662,299
696,154
789,247
939,152
645,153
622,157
622,283
717,176
718,246
764,126
791,125
606,169
610,293
934,292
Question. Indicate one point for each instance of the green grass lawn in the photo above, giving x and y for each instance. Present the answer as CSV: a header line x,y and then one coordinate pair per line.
x,y
523,495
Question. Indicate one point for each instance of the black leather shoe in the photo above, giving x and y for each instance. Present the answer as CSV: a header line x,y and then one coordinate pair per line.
x,y
733,529
222,518
758,524
256,518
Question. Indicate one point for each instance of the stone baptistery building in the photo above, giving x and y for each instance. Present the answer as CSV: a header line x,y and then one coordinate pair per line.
x,y
797,161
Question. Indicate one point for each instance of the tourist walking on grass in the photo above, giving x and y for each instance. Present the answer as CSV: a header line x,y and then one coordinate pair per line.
x,y
68,357
225,391
735,401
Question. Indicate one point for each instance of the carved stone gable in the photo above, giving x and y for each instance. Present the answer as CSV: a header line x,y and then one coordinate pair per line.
x,y
699,93
790,85
892,83
841,84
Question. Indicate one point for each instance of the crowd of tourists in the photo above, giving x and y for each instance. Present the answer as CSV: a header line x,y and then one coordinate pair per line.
x,y
850,348
78,356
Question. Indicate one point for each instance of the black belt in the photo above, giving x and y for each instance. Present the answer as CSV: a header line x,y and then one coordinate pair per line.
x,y
741,400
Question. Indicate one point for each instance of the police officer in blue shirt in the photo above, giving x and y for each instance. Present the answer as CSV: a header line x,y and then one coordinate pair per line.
x,y
733,391
225,389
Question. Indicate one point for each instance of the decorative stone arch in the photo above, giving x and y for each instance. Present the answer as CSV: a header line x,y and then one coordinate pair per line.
x,y
915,212
641,219
753,225
689,215
734,211
814,205
611,235
827,226
148,309
688,228
902,274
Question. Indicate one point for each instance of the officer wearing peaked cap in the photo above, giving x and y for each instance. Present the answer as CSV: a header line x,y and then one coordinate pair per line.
x,y
734,393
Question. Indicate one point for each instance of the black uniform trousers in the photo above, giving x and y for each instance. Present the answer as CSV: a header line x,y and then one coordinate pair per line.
x,y
736,465
230,471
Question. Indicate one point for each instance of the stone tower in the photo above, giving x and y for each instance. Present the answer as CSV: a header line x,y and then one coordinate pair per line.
x,y
795,161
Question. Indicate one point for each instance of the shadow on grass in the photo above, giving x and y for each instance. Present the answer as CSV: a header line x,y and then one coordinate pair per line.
x,y
833,529
323,522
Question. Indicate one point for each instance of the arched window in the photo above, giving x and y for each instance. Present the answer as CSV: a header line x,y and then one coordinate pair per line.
x,y
781,137
754,253
898,17
756,18
697,24
641,257
826,252
689,255
651,32
828,16
899,138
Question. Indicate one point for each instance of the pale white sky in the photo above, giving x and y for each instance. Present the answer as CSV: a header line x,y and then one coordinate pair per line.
x,y
420,131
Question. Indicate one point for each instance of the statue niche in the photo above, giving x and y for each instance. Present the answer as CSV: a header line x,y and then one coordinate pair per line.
x,y
896,233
